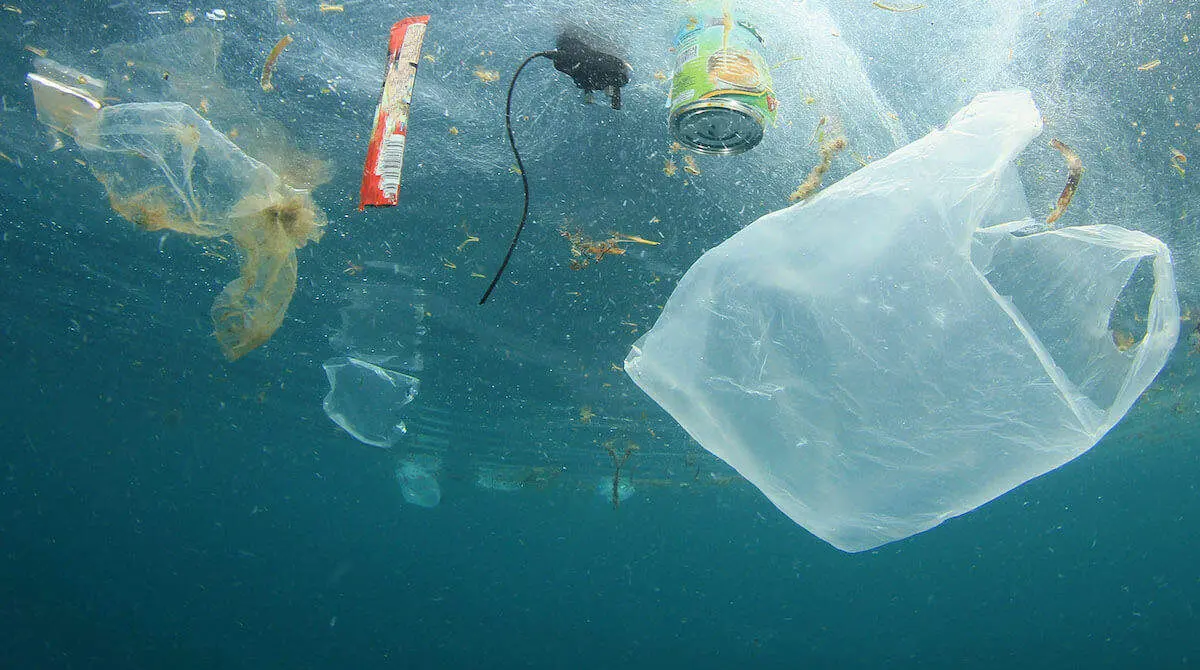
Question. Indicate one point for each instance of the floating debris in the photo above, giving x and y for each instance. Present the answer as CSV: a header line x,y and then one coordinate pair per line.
x,y
898,8
620,490
689,165
486,76
1074,172
269,66
281,7
1178,159
1146,67
812,183
584,249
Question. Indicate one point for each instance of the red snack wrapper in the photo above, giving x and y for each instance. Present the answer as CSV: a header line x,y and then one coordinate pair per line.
x,y
385,154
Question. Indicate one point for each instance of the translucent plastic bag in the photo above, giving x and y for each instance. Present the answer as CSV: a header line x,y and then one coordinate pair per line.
x,y
909,344
166,168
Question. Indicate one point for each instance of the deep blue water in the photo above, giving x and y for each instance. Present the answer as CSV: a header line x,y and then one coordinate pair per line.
x,y
163,508
231,539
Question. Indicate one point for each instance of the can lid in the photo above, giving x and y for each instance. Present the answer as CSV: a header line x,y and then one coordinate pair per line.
x,y
718,126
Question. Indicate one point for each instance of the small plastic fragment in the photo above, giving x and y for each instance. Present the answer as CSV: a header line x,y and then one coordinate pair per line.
x,y
64,97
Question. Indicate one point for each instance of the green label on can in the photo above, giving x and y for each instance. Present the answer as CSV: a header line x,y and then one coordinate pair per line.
x,y
719,66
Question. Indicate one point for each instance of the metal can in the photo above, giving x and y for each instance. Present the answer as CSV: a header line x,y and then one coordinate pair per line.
x,y
721,93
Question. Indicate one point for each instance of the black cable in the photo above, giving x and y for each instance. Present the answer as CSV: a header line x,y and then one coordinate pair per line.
x,y
520,169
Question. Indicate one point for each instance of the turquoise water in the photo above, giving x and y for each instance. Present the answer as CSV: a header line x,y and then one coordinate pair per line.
x,y
163,508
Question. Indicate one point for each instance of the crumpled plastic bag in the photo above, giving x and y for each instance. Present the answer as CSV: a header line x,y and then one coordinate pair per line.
x,y
910,344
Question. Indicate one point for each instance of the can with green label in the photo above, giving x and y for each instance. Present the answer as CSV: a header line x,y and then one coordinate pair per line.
x,y
721,94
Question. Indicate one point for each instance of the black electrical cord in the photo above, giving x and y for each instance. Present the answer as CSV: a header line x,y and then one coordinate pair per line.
x,y
520,169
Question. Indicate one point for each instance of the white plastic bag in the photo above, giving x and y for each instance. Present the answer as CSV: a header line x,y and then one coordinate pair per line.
x,y
905,346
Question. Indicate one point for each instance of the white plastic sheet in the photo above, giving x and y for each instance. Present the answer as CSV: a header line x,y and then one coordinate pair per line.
x,y
909,344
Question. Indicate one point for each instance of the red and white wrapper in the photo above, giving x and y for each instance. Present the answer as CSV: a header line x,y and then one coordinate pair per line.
x,y
385,154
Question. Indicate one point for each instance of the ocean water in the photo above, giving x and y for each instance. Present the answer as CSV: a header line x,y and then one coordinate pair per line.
x,y
162,507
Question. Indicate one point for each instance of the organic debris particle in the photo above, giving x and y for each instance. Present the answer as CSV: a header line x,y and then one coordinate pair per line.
x,y
1150,65
1123,340
584,249
469,239
670,168
818,135
269,66
484,75
281,8
586,414
812,182
898,8
325,7
689,165
1074,172
37,51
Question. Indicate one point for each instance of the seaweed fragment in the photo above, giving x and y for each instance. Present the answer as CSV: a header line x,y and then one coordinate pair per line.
x,y
618,460
1074,172
812,183
269,65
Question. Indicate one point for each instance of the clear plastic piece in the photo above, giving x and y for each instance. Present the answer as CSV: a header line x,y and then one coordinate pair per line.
x,y
367,401
64,97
